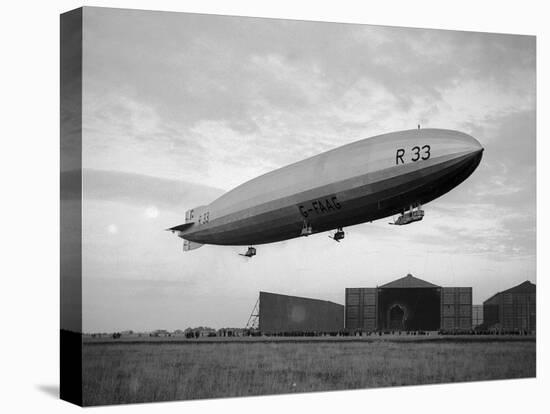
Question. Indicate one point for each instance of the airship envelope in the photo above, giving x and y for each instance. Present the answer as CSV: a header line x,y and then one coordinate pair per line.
x,y
359,182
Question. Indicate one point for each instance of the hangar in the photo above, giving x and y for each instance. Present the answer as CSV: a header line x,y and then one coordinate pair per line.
x,y
288,314
408,304
513,309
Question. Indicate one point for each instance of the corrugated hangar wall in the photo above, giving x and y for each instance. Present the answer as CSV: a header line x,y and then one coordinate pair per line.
x,y
361,308
456,308
513,309
282,313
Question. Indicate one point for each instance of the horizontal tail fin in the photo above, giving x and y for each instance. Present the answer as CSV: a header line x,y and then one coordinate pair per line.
x,y
181,227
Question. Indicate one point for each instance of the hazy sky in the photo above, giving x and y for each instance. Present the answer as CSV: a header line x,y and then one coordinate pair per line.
x,y
178,108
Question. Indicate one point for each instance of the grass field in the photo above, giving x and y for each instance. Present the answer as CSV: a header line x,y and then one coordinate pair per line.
x,y
126,372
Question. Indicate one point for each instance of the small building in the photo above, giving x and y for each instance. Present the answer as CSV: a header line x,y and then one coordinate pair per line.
x,y
408,304
512,310
159,332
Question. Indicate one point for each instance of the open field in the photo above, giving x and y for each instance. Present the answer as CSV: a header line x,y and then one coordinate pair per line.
x,y
126,372
432,336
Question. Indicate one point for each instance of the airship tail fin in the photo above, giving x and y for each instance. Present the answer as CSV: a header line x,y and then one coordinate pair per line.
x,y
189,245
181,227
180,232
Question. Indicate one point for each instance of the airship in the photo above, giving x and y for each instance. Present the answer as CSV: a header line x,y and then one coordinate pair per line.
x,y
366,180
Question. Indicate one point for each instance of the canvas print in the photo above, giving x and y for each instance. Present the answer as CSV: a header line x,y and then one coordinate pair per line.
x,y
255,206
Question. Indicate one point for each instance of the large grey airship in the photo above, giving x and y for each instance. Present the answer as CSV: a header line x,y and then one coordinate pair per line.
x,y
356,183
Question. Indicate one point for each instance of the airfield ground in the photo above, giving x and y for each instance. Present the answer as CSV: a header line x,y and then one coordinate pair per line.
x,y
160,369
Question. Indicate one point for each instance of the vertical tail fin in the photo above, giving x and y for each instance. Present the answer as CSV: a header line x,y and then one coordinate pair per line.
x,y
189,245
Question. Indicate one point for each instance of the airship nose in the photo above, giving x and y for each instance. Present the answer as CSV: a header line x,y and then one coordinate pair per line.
x,y
476,145
475,150
464,143
473,144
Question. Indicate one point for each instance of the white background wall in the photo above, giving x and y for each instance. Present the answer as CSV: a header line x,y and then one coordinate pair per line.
x,y
29,163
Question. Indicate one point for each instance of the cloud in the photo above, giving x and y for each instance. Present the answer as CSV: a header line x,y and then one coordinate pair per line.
x,y
276,91
142,190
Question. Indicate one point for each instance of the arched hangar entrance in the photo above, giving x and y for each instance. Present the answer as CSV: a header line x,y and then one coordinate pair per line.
x,y
409,304
396,318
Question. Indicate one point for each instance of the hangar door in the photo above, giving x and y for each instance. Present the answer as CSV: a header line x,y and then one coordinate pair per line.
x,y
361,305
456,308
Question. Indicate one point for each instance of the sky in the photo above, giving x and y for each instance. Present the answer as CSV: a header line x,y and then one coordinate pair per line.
x,y
179,108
